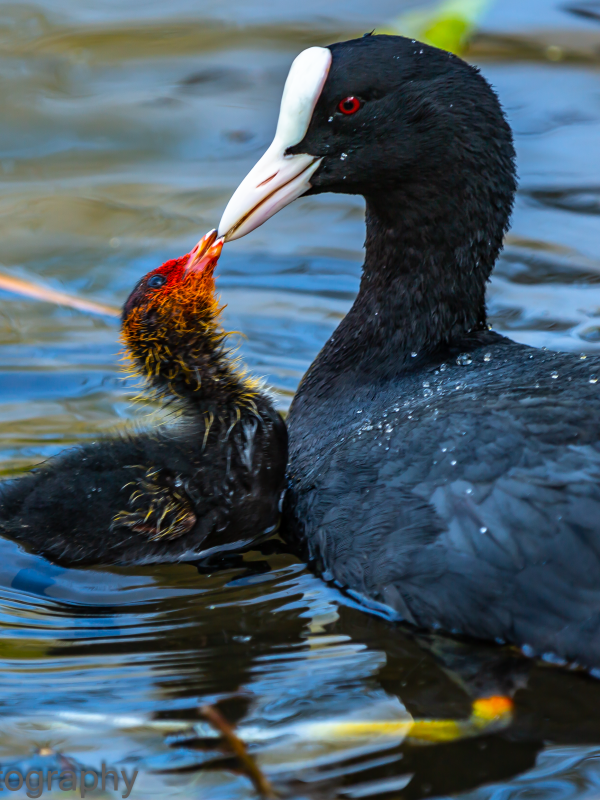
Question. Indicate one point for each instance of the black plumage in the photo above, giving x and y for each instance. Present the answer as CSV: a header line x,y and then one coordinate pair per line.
x,y
207,483
438,468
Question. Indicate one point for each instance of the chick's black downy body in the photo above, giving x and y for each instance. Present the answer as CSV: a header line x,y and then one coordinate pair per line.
x,y
210,482
436,468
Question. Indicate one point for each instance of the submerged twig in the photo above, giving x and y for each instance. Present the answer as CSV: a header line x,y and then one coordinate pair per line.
x,y
38,292
237,746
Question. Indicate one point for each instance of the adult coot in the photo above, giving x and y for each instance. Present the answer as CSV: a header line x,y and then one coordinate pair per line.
x,y
437,469
209,483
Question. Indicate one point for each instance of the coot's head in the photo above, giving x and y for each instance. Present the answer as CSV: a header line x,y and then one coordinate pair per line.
x,y
172,313
414,129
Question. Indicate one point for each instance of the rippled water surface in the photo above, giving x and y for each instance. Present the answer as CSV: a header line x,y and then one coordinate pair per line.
x,y
125,128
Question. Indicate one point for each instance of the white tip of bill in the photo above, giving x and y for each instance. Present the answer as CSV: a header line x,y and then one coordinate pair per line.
x,y
276,180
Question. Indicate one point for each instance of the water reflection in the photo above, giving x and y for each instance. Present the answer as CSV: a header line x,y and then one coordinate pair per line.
x,y
112,666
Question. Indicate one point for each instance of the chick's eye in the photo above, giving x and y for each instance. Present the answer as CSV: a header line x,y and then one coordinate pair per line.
x,y
156,281
349,105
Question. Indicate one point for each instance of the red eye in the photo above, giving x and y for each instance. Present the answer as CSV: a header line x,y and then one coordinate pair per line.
x,y
349,105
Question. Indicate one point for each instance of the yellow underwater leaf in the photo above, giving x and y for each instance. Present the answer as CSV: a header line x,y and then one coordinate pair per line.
x,y
447,25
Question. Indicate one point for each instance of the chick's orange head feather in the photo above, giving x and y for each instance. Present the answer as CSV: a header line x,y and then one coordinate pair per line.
x,y
182,285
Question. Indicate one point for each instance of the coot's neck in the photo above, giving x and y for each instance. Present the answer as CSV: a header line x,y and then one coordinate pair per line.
x,y
423,280
423,286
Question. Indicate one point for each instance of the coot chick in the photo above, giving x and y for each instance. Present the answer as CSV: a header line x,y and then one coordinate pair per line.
x,y
209,483
439,471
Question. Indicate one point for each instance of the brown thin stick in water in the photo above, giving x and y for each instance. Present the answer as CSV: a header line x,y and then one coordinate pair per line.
x,y
218,721
38,292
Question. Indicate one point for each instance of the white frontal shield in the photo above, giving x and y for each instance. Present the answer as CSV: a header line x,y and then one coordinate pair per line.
x,y
277,179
